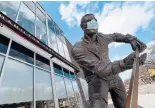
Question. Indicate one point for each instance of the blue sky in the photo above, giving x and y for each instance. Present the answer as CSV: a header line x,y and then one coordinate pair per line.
x,y
136,18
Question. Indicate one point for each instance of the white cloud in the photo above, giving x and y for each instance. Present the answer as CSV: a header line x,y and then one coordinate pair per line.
x,y
71,14
122,17
115,44
127,19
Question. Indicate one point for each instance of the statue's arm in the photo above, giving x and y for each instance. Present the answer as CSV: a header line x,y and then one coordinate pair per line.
x,y
118,37
90,62
134,42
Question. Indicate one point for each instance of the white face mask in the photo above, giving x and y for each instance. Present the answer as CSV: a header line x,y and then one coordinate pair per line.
x,y
92,24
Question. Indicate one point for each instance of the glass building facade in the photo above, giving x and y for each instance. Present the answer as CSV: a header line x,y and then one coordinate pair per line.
x,y
28,79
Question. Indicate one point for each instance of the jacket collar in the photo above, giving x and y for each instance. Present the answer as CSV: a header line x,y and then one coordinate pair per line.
x,y
90,46
88,39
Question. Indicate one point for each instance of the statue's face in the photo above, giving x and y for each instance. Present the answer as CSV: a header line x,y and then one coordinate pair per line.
x,y
90,25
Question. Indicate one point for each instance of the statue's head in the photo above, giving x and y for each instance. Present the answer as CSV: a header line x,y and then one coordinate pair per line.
x,y
89,24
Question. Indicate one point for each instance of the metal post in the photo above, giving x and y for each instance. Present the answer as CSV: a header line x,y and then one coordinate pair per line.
x,y
84,102
56,36
18,12
47,31
35,28
4,63
53,85
66,87
34,71
76,99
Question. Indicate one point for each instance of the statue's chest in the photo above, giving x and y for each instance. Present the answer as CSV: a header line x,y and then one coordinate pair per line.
x,y
100,50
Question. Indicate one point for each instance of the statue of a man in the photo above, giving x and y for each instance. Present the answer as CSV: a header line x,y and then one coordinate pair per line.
x,y
100,73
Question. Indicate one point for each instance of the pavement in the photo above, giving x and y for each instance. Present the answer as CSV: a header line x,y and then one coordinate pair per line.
x,y
146,97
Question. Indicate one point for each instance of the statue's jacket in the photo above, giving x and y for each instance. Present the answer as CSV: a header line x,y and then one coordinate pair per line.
x,y
92,56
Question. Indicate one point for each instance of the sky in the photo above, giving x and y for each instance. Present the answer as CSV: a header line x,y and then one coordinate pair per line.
x,y
135,18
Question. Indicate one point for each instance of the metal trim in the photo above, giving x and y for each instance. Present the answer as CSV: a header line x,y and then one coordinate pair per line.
x,y
58,74
65,86
4,62
18,12
56,37
34,90
43,69
47,31
53,85
74,91
2,54
82,97
35,26
20,60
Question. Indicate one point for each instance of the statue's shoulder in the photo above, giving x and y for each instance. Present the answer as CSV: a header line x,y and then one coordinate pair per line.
x,y
102,35
77,46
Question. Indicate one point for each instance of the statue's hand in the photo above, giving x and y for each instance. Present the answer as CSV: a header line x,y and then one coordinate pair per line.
x,y
129,60
136,44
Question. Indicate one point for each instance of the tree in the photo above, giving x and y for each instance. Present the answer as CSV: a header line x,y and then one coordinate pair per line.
x,y
150,62
150,54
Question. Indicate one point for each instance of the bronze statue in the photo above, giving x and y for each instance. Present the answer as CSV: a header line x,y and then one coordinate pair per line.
x,y
100,73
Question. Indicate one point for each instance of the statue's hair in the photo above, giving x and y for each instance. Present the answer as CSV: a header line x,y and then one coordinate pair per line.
x,y
83,19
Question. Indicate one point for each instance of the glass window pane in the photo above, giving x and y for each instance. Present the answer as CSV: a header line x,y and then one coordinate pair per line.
x,y
3,44
42,62
53,41
22,53
60,47
76,93
61,36
66,52
38,32
41,24
44,39
41,31
61,91
57,69
41,15
1,62
84,87
52,35
17,84
51,24
43,87
73,77
70,93
66,73
26,18
57,30
31,5
10,8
